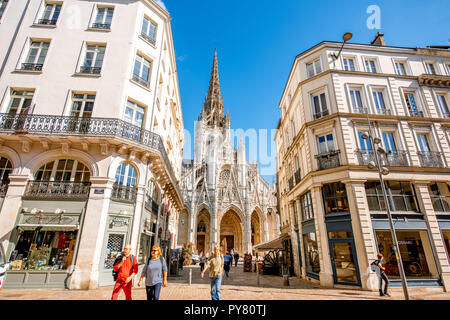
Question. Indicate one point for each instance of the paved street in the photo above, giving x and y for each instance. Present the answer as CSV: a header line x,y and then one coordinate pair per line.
x,y
240,286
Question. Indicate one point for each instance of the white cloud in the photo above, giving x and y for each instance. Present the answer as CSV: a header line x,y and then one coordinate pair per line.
x,y
161,4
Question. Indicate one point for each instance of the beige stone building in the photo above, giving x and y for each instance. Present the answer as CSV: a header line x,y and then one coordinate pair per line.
x,y
330,201
91,137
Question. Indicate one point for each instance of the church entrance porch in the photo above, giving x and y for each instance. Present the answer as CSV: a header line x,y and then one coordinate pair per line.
x,y
231,232
203,232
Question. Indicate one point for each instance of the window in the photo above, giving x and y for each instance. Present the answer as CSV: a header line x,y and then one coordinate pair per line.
x,y
320,106
370,66
389,142
20,102
440,196
312,260
400,68
36,56
378,99
3,4
400,195
5,170
82,106
93,59
153,191
365,144
50,14
349,64
103,18
429,68
447,66
134,115
443,105
313,68
355,97
63,170
325,143
306,206
335,198
148,30
422,139
124,187
293,129
141,71
411,104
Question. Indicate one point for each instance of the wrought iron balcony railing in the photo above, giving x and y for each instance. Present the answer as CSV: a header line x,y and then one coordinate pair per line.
x,y
148,38
126,193
328,160
140,80
47,21
297,176
3,188
384,111
90,70
105,26
105,127
431,159
391,158
416,113
58,189
32,66
322,114
151,205
360,110
446,114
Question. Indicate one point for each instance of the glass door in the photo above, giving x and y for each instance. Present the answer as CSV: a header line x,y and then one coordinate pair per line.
x,y
343,260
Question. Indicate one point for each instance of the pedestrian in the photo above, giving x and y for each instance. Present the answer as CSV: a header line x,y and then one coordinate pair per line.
x,y
215,265
202,262
155,273
236,258
126,267
379,267
227,261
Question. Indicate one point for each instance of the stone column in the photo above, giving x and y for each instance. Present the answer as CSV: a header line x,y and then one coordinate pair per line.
x,y
247,245
363,235
86,273
10,208
137,217
191,222
434,231
295,237
326,270
300,235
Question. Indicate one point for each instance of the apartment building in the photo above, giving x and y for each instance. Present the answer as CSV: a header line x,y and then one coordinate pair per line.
x,y
91,138
330,201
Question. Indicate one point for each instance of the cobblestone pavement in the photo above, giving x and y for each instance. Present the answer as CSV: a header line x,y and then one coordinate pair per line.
x,y
239,286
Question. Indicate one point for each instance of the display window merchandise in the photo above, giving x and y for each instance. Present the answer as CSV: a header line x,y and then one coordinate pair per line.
x,y
43,250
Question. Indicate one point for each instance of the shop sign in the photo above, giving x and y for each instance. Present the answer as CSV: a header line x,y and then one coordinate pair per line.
x,y
120,222
405,242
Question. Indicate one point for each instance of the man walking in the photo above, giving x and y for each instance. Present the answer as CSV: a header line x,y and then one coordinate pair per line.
x,y
215,265
127,268
382,275
236,258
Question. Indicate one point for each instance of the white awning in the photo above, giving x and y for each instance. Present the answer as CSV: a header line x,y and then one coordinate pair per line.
x,y
272,244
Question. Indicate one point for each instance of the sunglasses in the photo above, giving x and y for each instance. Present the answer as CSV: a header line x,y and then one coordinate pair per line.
x,y
154,250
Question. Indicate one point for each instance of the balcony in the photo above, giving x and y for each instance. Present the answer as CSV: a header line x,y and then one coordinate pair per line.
x,y
97,127
90,70
32,66
383,111
3,188
434,80
430,159
104,26
148,38
50,22
446,115
57,190
391,158
416,113
140,80
360,110
123,193
297,176
328,160
322,114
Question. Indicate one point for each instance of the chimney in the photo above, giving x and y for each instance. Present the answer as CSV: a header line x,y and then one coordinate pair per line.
x,y
379,40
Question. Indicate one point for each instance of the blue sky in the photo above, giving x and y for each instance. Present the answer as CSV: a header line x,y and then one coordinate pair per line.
x,y
257,41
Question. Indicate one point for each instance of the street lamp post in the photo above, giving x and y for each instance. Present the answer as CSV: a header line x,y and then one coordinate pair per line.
x,y
384,171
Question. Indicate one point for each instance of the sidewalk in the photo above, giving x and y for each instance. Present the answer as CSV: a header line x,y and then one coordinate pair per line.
x,y
240,286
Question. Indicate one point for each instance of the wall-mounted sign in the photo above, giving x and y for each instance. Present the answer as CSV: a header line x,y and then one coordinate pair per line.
x,y
119,221
99,191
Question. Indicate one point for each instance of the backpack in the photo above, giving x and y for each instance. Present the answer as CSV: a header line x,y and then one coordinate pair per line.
x,y
116,273
374,266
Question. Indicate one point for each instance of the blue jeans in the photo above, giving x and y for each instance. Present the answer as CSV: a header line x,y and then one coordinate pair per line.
x,y
215,287
153,291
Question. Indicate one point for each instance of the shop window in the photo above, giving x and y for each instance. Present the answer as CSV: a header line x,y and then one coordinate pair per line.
x,y
114,247
312,261
335,198
340,235
400,195
144,249
415,250
440,196
44,250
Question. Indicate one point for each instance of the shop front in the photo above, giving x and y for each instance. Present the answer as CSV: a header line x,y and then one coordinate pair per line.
x,y
311,250
43,245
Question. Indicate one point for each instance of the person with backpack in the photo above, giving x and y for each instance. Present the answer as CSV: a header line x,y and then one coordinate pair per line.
x,y
379,267
125,268
236,258
155,273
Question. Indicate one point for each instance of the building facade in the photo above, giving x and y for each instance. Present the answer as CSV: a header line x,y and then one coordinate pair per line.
x,y
228,202
91,137
329,199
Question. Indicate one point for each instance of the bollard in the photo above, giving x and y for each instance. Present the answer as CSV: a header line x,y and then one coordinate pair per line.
x,y
257,277
286,280
190,276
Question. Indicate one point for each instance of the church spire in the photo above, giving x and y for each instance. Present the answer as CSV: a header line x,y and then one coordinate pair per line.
x,y
212,111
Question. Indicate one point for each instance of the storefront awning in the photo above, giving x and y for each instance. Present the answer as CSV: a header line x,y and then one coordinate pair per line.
x,y
272,244
47,227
